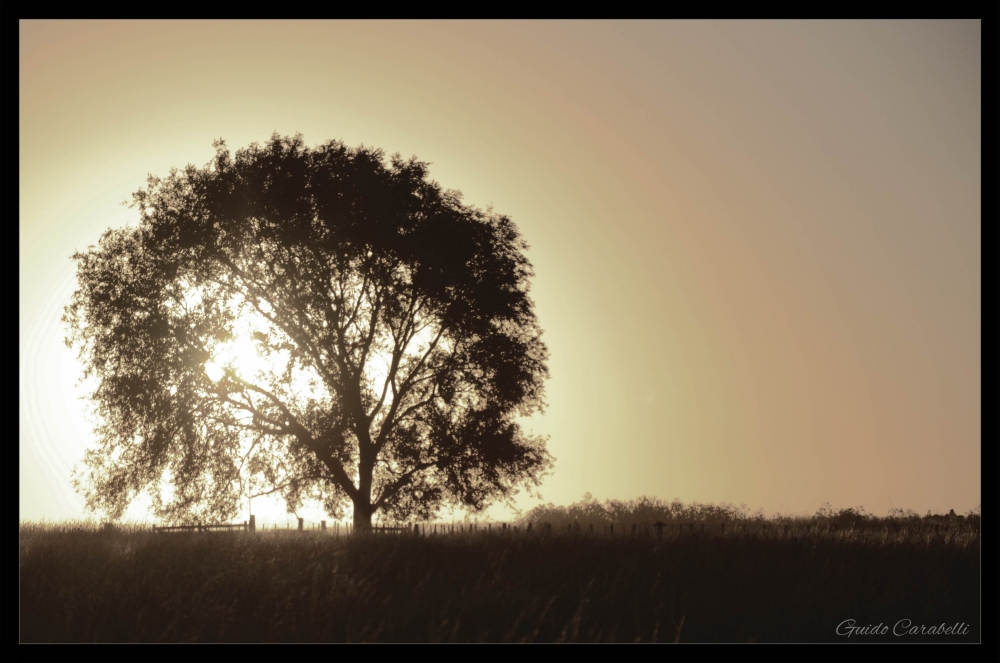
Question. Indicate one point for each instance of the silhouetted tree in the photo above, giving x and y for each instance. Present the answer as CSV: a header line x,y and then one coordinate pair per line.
x,y
311,322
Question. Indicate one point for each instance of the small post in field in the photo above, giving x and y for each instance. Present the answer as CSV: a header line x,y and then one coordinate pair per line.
x,y
253,523
322,525
301,524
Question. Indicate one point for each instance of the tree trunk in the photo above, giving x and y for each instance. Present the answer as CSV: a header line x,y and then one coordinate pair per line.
x,y
362,515
363,502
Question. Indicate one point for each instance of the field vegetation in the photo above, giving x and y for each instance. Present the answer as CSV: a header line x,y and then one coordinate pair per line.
x,y
742,578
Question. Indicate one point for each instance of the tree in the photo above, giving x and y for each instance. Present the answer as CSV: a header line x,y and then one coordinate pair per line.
x,y
317,322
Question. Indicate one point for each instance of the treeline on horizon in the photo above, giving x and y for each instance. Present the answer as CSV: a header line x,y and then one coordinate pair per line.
x,y
648,510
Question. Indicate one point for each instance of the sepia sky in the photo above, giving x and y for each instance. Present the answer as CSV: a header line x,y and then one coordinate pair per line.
x,y
757,244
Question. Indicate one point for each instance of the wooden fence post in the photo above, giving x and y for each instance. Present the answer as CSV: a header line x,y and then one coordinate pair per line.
x,y
301,523
322,525
253,523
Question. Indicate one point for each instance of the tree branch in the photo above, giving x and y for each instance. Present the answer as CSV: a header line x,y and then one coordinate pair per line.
x,y
389,422
302,434
297,334
392,489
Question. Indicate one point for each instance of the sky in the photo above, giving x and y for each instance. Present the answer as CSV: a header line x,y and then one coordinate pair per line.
x,y
757,244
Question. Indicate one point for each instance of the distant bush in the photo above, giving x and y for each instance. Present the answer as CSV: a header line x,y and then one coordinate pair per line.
x,y
643,510
646,511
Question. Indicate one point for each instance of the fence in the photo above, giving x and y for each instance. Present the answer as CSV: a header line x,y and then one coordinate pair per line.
x,y
238,527
658,529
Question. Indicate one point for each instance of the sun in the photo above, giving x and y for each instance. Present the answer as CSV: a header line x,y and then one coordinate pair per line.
x,y
255,351
243,356
242,350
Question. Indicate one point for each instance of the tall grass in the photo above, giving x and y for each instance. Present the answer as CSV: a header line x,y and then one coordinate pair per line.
x,y
129,584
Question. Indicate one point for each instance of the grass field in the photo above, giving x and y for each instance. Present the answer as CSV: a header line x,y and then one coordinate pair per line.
x,y
87,584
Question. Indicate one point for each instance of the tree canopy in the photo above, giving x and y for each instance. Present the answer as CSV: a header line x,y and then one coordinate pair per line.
x,y
314,322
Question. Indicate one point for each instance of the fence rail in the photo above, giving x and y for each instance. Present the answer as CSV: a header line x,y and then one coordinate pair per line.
x,y
238,527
